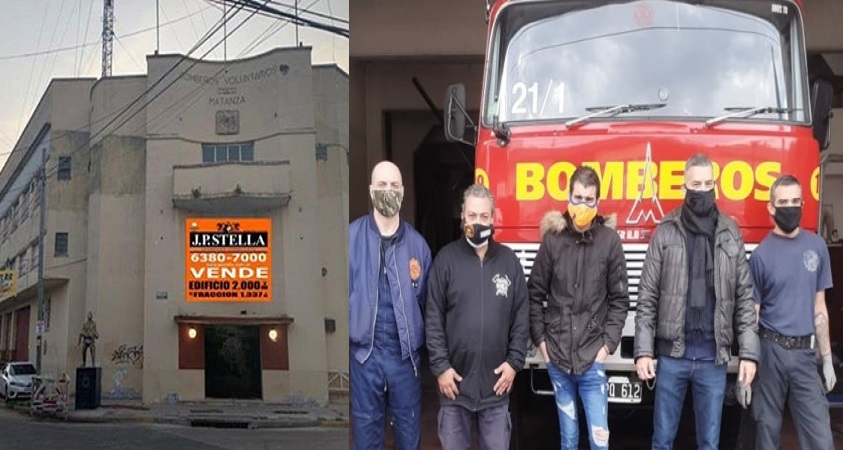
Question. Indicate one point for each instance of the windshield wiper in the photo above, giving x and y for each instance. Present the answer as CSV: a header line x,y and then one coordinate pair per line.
x,y
612,111
746,112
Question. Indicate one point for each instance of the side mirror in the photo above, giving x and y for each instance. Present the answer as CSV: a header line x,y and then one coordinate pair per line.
x,y
822,96
455,114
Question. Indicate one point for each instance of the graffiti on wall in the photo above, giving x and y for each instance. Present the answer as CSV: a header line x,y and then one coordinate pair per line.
x,y
132,356
124,358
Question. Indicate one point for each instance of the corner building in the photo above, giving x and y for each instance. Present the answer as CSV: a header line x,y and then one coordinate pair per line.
x,y
128,161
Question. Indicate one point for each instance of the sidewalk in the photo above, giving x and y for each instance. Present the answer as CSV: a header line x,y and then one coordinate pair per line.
x,y
213,413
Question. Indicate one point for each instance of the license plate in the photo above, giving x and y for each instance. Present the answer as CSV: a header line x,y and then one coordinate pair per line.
x,y
621,390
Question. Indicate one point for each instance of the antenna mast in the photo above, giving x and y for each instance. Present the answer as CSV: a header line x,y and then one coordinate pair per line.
x,y
107,36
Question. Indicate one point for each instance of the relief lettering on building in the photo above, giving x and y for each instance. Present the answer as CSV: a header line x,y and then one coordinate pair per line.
x,y
227,94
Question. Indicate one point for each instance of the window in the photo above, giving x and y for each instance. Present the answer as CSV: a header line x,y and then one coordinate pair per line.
x,y
22,260
61,244
33,260
215,153
26,202
64,168
47,307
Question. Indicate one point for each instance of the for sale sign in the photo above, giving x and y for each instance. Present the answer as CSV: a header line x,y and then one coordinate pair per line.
x,y
228,260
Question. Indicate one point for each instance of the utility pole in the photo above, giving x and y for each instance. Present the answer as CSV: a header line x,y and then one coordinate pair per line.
x,y
298,43
42,230
157,30
224,32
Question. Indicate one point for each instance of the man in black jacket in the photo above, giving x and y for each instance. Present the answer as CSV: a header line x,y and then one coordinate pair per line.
x,y
476,327
580,271
694,300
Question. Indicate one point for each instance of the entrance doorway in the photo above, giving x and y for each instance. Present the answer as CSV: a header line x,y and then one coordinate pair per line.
x,y
232,362
443,170
22,335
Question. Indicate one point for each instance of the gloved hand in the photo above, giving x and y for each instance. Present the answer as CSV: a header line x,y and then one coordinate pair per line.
x,y
744,394
828,373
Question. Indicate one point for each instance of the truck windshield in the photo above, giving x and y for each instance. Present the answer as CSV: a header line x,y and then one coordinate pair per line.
x,y
555,60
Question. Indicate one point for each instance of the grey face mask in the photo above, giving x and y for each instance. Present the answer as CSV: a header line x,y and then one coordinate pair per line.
x,y
387,201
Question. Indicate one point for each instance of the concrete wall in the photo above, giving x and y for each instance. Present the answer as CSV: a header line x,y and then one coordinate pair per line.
x,y
822,25
331,105
116,237
67,211
417,29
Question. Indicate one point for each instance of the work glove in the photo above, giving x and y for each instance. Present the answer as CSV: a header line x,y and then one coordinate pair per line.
x,y
828,373
744,394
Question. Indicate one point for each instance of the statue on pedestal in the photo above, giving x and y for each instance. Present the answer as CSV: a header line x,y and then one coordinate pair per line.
x,y
87,338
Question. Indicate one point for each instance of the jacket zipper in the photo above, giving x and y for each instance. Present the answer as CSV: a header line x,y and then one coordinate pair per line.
x,y
477,398
404,312
377,299
576,296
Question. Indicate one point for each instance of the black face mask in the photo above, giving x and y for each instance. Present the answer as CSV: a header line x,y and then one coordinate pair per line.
x,y
699,202
477,234
788,217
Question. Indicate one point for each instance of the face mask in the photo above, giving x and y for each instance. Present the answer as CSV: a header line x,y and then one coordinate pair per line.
x,y
477,234
581,214
387,201
699,202
788,217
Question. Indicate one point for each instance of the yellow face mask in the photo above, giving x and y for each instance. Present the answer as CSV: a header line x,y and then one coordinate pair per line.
x,y
582,214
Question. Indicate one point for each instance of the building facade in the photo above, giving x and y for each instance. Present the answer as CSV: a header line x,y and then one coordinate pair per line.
x,y
131,162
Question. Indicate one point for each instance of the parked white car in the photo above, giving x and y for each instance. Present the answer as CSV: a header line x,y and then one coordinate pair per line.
x,y
16,380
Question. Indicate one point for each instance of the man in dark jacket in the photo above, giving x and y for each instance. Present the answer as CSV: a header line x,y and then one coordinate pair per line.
x,y
580,271
695,294
388,263
476,329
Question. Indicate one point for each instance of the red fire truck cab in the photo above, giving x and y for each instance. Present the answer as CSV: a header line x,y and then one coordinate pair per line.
x,y
633,89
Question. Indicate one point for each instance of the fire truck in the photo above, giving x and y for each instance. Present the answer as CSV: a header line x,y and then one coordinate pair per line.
x,y
633,88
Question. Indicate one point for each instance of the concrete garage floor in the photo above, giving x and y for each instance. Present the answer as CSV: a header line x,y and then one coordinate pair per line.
x,y
627,433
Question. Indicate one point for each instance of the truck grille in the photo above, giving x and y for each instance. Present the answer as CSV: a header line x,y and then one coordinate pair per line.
x,y
634,254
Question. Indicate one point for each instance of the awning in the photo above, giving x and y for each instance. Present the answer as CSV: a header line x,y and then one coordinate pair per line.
x,y
234,320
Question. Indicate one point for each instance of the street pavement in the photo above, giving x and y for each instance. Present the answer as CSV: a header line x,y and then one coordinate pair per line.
x,y
22,432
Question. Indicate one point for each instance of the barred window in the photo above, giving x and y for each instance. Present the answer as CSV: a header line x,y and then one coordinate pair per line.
x,y
64,168
61,244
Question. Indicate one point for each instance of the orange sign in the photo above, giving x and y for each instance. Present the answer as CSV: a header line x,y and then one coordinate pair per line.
x,y
228,260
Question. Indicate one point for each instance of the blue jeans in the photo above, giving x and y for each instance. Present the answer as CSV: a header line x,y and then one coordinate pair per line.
x,y
592,386
708,382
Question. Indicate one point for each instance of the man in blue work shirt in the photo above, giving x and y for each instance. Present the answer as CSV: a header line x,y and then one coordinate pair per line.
x,y
790,270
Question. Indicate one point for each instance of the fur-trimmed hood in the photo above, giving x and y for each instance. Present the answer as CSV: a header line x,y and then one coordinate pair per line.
x,y
557,222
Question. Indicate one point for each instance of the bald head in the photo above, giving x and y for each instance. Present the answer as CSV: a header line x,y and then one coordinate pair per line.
x,y
386,171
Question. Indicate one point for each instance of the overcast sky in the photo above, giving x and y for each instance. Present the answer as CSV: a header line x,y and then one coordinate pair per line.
x,y
45,39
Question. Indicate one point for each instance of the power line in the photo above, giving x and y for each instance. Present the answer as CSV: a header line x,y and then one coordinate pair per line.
x,y
88,44
84,36
298,20
128,52
307,10
280,25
